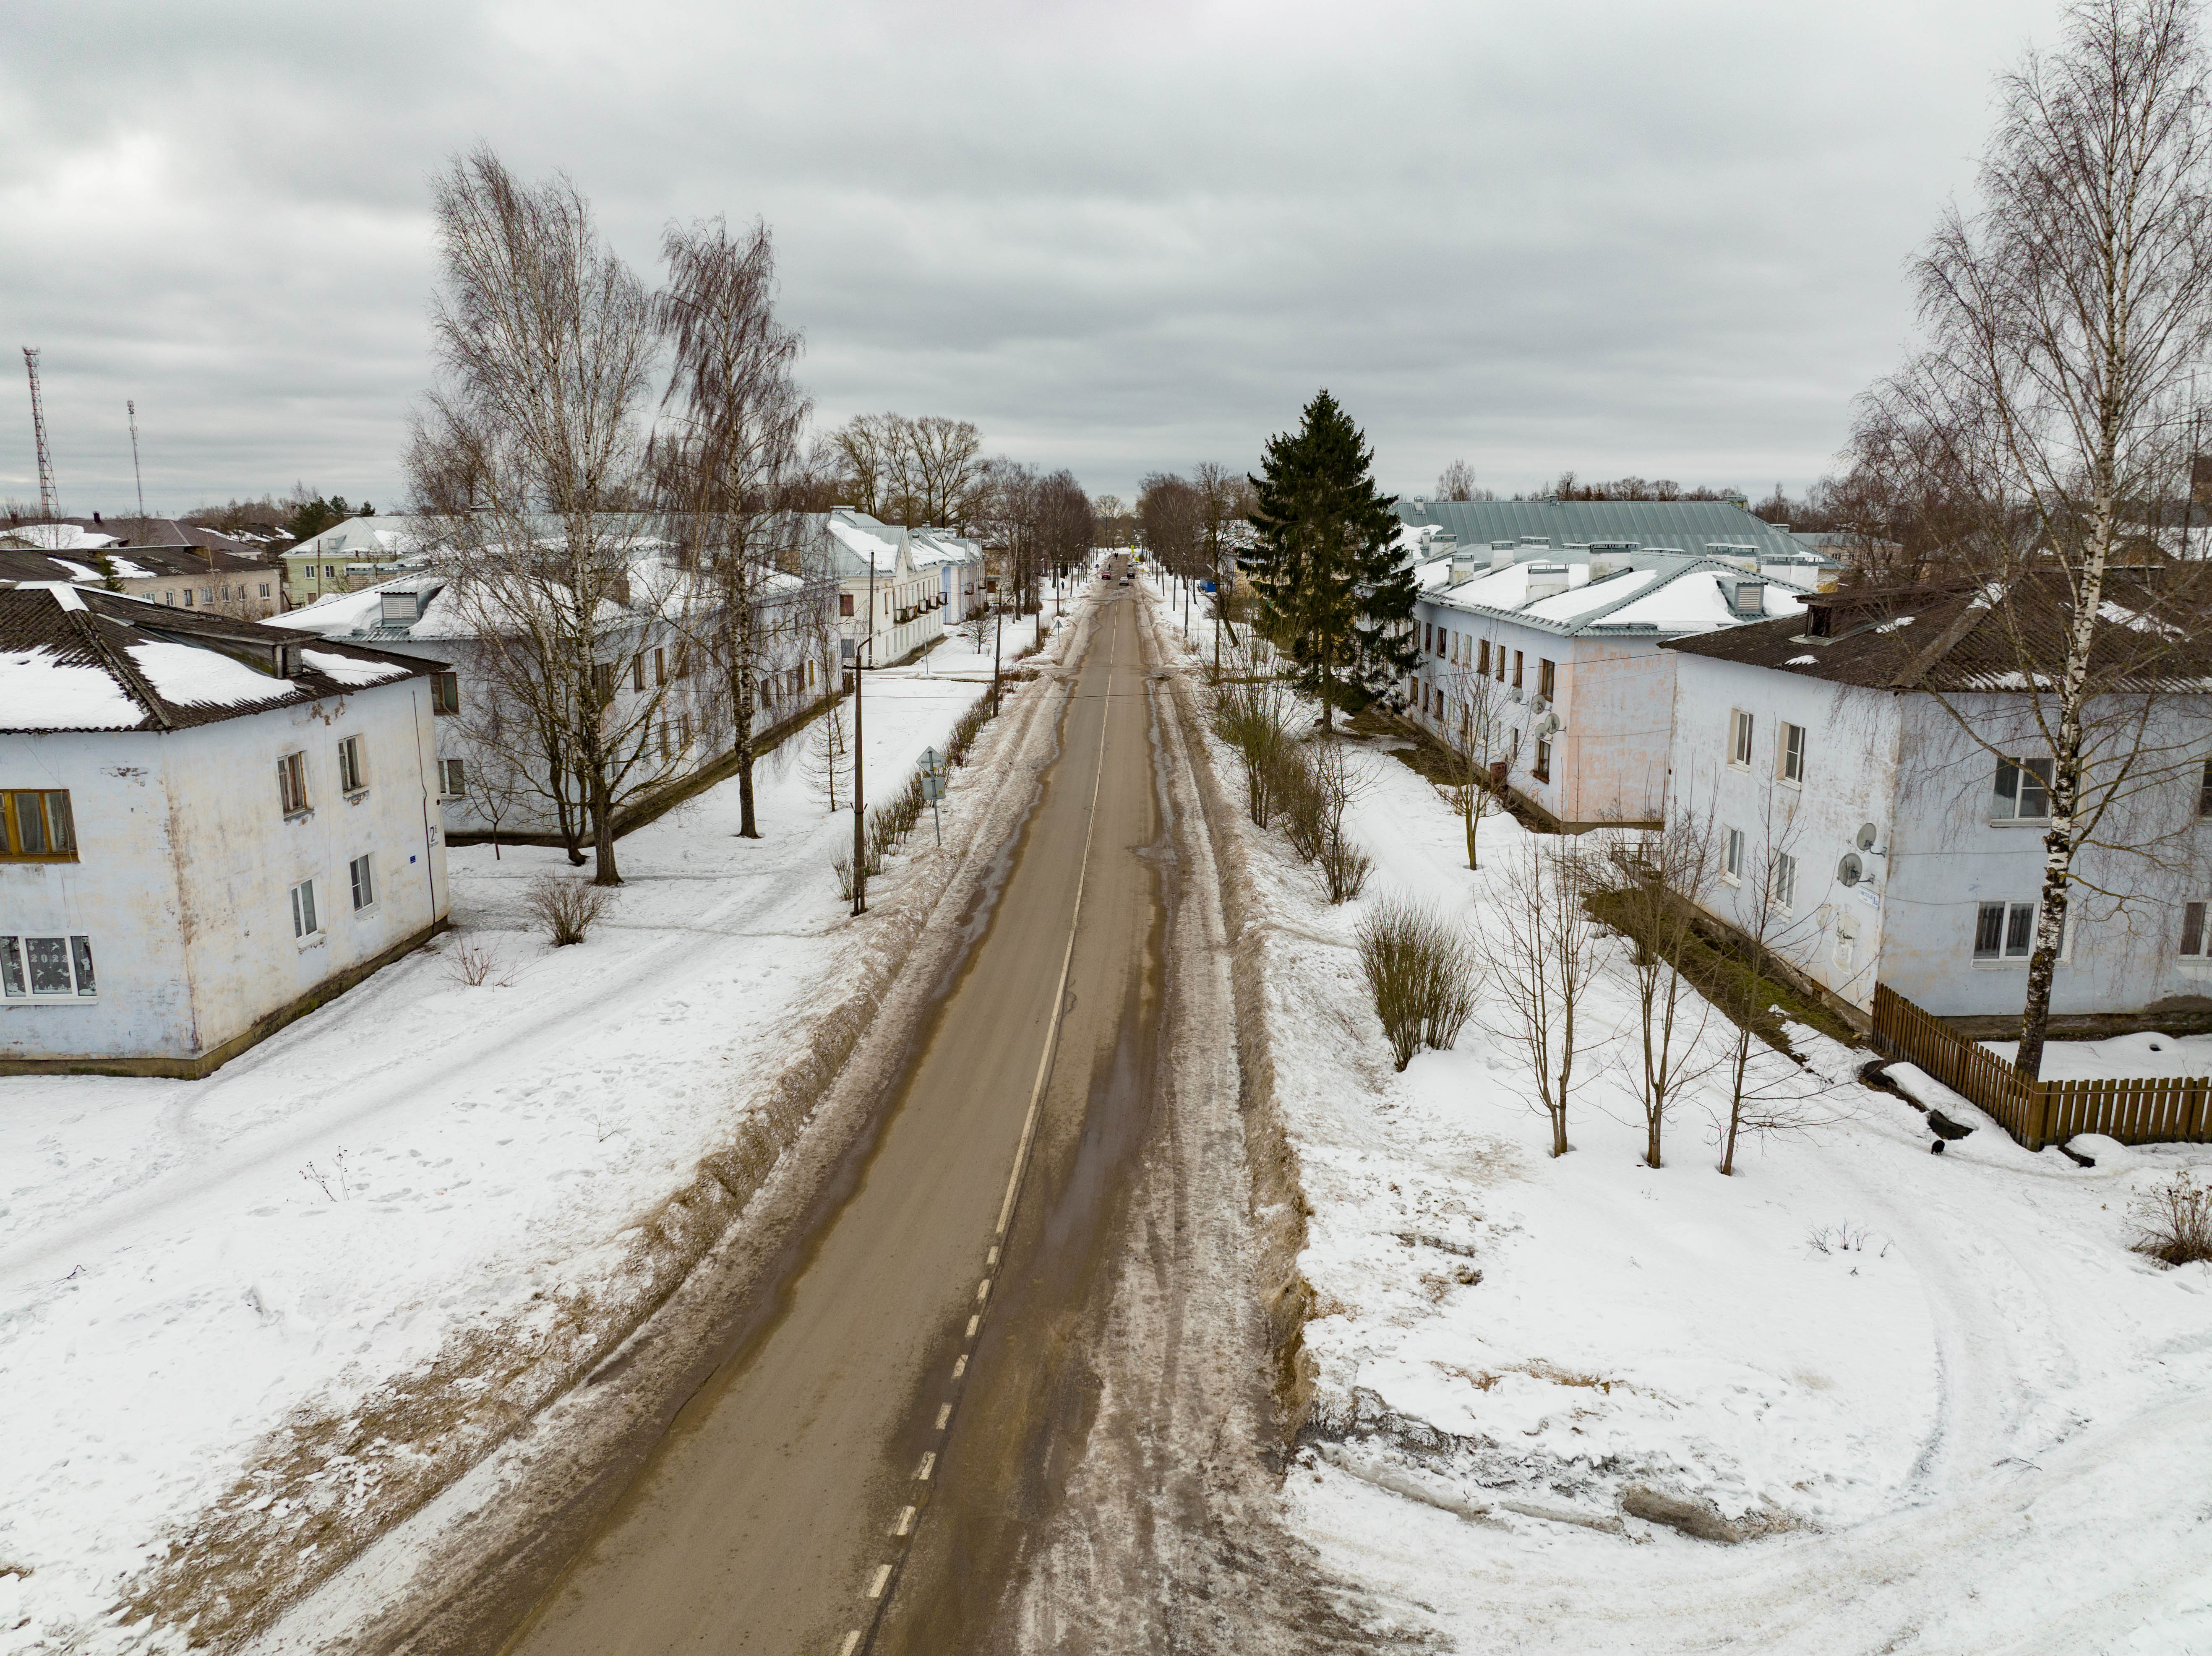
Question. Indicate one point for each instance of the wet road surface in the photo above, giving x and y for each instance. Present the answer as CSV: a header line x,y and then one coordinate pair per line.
x,y
926,1313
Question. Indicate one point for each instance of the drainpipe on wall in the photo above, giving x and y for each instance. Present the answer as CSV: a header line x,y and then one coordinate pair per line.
x,y
429,864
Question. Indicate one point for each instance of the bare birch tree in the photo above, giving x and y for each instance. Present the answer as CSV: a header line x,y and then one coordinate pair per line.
x,y
725,459
1473,717
521,457
1542,952
2065,317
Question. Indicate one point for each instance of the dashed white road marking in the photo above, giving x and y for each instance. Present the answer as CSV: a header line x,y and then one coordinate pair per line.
x,y
928,1465
883,1578
983,1288
973,1323
944,1414
960,1366
905,1526
992,1259
852,1643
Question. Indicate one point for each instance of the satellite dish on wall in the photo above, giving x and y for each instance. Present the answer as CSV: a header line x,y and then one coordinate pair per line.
x,y
1867,835
1850,871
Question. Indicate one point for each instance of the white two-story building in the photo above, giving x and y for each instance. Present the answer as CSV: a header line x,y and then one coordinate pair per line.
x,y
207,828
1878,795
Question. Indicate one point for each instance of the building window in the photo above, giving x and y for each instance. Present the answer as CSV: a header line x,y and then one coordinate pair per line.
x,y
845,603
2022,792
637,671
1517,670
683,731
2204,791
46,969
1790,753
663,740
188,597
329,571
1739,738
1785,880
36,823
445,693
1482,658
169,598
602,680
1428,638
2004,932
1547,680
353,766
264,589
364,883
303,910
2195,939
457,778
1542,768
1732,857
292,783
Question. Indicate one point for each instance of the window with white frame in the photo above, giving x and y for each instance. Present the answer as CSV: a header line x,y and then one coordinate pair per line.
x,y
1739,738
2204,791
364,883
2022,790
1790,753
304,923
2195,936
46,969
353,766
2006,931
457,776
1785,880
1732,857
292,783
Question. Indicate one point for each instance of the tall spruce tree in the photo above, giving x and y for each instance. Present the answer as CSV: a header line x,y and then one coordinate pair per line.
x,y
1332,595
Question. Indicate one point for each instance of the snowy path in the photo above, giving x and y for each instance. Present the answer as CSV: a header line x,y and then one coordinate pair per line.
x,y
182,1264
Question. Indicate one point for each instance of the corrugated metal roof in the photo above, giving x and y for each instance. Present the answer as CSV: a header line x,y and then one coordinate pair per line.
x,y
1685,525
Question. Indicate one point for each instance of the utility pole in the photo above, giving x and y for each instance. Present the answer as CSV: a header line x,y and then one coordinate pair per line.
x,y
860,837
50,504
136,475
998,641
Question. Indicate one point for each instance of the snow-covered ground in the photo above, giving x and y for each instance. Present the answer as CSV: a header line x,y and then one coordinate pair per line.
x,y
2118,1055
1944,1404
184,1264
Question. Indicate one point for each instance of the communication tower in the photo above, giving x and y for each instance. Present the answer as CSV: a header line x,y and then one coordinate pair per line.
x,y
49,506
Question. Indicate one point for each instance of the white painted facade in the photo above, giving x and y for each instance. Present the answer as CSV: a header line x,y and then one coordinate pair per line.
x,y
187,862
887,607
1944,848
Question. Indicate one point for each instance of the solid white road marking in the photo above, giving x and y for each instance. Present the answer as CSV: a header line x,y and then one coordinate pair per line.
x,y
905,1526
882,1579
944,1414
928,1465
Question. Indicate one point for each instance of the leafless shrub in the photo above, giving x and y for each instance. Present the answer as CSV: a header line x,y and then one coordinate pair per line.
x,y
1250,710
1345,865
473,965
842,868
1846,1237
2175,1221
1420,970
333,1183
1296,799
568,909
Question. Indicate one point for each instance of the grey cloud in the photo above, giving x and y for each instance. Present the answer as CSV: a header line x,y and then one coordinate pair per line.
x,y
1118,237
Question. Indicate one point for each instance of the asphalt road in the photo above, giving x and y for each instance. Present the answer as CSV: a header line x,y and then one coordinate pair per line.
x,y
930,1308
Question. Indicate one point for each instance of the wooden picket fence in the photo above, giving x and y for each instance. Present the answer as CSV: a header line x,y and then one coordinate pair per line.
x,y
2135,1111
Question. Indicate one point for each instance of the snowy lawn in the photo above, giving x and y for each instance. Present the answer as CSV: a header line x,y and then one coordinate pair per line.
x,y
185,1264
2118,1056
1937,1398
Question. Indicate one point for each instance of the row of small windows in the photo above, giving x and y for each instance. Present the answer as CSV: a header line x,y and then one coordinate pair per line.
x,y
208,595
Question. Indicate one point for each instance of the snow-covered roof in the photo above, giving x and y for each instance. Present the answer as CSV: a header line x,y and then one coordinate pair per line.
x,y
81,658
55,537
1662,593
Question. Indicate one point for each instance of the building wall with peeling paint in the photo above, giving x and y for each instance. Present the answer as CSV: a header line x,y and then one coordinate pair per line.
x,y
186,861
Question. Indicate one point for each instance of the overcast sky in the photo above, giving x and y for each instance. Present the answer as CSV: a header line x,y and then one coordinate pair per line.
x,y
1119,238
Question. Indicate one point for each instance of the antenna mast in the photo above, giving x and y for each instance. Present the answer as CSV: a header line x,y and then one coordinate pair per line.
x,y
136,475
49,506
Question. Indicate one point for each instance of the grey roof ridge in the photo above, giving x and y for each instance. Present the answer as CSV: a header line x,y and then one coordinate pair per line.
x,y
1924,659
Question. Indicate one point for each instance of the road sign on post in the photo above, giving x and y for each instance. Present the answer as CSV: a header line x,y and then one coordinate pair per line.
x,y
933,788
